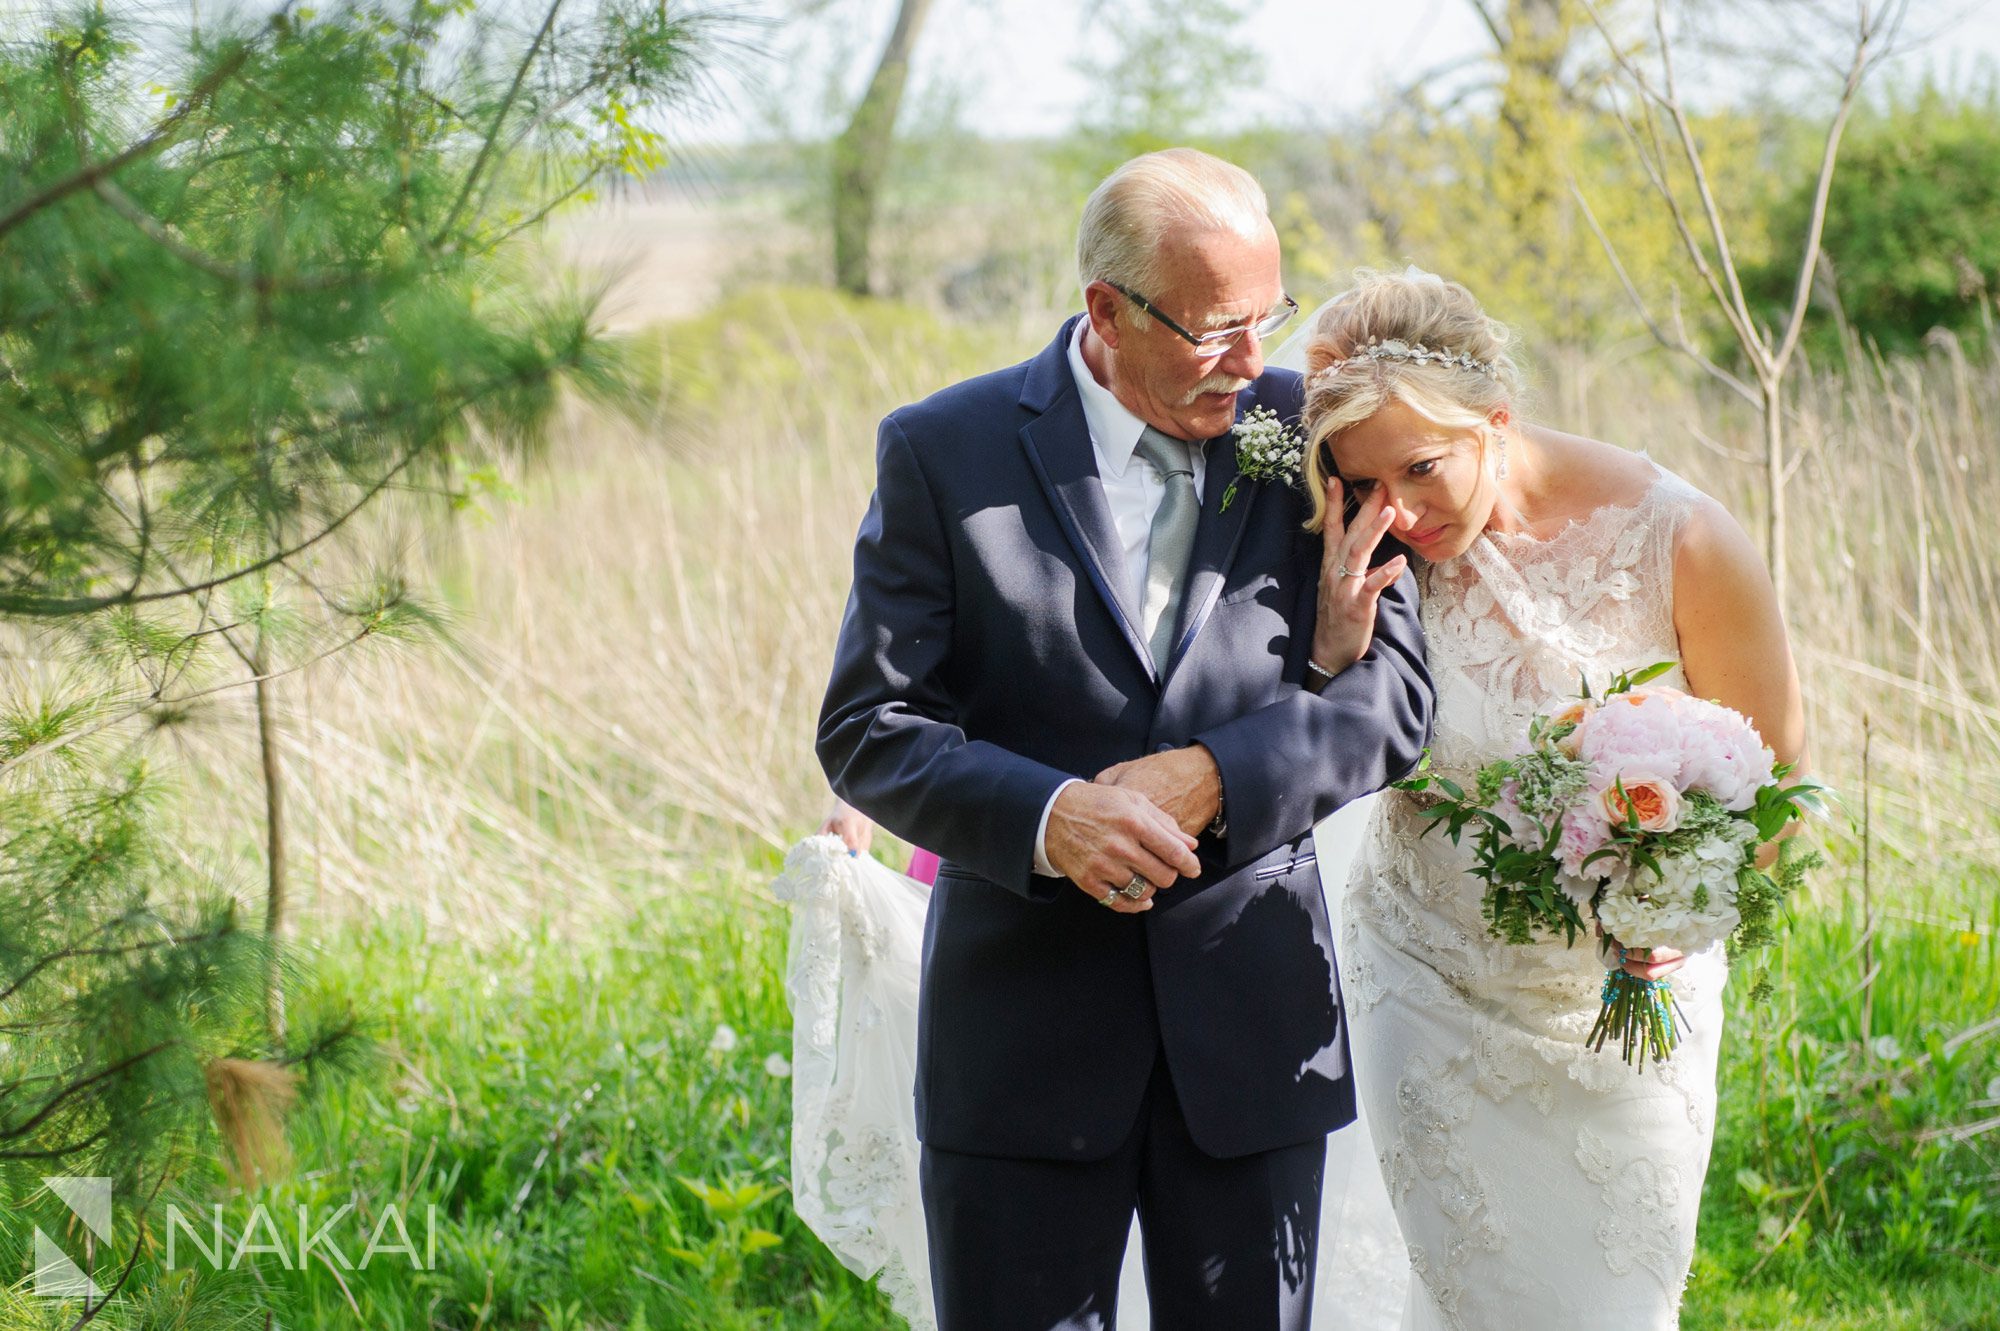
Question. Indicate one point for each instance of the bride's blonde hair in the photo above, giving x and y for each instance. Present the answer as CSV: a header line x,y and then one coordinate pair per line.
x,y
1445,360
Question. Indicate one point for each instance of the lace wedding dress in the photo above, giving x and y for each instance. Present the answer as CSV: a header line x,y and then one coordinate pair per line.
x,y
1537,1183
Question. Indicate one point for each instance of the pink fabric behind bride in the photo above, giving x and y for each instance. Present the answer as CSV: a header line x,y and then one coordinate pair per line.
x,y
923,866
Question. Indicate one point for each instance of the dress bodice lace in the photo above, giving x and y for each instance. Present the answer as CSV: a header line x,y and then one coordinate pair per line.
x,y
1513,625
1508,1146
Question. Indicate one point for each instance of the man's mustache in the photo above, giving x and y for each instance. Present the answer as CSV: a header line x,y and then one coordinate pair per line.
x,y
1215,383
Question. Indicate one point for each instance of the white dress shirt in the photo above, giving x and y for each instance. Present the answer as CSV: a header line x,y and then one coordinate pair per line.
x,y
1132,489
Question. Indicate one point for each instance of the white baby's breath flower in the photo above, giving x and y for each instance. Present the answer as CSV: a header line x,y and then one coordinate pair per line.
x,y
1266,450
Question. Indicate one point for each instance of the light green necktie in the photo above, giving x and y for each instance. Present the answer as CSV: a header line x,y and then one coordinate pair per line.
x,y
1172,539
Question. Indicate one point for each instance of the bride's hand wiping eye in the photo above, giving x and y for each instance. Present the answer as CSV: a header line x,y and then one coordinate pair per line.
x,y
1348,589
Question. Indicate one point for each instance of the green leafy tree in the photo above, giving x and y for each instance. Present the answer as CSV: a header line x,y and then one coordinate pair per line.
x,y
1912,235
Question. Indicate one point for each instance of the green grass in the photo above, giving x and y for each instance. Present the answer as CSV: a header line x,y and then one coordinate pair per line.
x,y
1836,1198
555,1099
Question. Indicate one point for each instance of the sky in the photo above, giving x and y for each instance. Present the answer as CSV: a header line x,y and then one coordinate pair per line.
x,y
1014,60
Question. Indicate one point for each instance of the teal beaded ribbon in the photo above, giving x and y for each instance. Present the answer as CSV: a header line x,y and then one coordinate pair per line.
x,y
1643,1016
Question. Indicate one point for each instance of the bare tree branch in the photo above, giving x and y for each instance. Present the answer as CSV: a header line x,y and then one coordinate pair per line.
x,y
1493,28
1710,209
1864,57
1680,341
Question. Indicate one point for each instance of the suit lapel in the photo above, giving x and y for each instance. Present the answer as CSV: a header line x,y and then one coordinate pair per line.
x,y
1058,447
1216,538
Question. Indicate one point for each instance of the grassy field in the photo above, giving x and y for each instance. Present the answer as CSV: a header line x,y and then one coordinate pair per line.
x,y
600,1123
537,857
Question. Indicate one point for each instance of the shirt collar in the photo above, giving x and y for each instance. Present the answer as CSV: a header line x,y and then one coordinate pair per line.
x,y
1113,429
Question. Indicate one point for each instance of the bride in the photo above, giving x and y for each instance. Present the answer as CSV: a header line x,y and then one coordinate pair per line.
x,y
1534,1183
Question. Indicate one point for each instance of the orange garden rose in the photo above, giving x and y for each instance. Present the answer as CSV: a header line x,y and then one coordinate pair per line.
x,y
1656,804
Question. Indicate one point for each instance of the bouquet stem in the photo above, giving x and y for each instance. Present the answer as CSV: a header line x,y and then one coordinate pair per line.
x,y
1642,1015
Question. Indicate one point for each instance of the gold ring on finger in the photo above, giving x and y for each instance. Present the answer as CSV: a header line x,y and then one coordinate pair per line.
x,y
1136,888
1110,898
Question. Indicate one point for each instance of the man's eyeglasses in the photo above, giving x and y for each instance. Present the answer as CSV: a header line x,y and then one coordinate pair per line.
x,y
1219,340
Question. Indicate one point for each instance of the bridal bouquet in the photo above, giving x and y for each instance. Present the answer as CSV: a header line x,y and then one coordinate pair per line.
x,y
1637,816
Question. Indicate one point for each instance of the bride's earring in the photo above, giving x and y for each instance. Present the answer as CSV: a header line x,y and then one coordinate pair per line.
x,y
1501,471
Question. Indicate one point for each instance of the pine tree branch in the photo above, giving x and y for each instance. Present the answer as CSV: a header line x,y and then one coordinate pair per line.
x,y
131,1263
499,122
155,699
64,1151
152,141
9,1132
14,604
76,953
161,234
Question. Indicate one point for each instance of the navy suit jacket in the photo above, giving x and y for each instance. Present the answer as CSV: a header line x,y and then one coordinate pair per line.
x,y
987,655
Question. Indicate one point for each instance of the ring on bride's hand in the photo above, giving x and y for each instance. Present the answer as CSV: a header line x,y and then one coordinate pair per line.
x,y
1137,887
1345,572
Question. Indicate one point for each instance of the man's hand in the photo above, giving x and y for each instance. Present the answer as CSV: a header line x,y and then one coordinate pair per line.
x,y
1101,837
1184,782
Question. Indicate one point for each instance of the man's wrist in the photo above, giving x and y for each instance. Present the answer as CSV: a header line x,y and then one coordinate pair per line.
x,y
1041,861
1218,825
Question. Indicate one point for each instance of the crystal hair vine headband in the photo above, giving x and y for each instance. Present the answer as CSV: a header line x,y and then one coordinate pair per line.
x,y
1398,350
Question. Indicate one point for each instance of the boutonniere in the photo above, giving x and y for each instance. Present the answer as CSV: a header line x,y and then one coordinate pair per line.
x,y
1266,450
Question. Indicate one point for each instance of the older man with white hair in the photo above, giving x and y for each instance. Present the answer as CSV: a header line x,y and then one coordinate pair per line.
x,y
1076,664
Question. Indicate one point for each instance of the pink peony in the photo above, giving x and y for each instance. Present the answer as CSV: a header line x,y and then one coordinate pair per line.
x,y
1722,754
1584,833
1631,734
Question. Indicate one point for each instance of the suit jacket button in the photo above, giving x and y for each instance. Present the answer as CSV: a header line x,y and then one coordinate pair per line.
x,y
1076,1143
1164,747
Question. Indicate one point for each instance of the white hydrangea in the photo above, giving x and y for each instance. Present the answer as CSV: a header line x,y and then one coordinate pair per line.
x,y
1672,911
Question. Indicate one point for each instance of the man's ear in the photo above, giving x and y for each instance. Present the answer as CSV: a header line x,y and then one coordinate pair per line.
x,y
1100,302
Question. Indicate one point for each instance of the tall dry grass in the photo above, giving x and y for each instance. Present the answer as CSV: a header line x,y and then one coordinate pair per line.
x,y
642,624
1895,610
642,632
